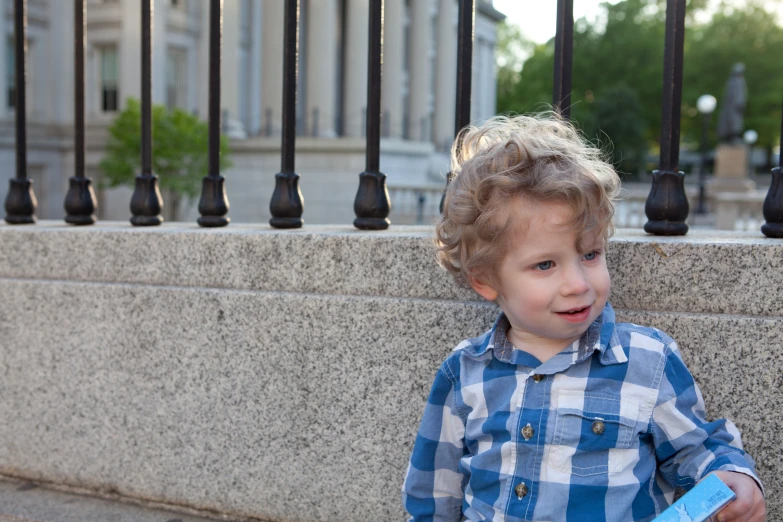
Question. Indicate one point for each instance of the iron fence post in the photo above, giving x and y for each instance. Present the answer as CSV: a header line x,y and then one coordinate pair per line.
x,y
213,204
287,204
372,204
20,202
667,206
146,203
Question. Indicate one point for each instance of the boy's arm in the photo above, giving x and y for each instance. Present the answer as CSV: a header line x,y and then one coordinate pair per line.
x,y
434,484
686,445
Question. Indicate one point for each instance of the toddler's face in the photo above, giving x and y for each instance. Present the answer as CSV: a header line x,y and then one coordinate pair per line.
x,y
550,291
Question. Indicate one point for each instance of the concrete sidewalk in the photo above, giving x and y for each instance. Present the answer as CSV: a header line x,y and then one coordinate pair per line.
x,y
26,502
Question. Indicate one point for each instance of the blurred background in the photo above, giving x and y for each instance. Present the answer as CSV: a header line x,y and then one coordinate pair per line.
x,y
615,100
618,64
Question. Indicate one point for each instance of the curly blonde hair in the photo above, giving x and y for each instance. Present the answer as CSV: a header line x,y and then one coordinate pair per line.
x,y
539,158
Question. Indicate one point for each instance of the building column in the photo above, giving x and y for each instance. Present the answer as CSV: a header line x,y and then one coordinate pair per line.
x,y
322,48
4,112
475,79
230,91
160,16
446,78
357,49
421,70
254,100
203,61
489,80
484,79
60,41
129,56
272,67
391,84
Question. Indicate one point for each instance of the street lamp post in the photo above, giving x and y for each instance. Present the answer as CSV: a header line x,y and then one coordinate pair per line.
x,y
750,137
706,105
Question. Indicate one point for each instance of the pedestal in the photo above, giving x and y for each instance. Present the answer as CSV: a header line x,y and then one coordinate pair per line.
x,y
731,170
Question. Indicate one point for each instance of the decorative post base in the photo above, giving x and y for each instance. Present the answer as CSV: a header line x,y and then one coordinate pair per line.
x,y
773,230
773,206
20,203
287,204
80,202
667,206
213,205
146,203
372,205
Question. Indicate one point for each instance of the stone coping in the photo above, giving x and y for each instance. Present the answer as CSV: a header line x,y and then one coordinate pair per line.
x,y
704,272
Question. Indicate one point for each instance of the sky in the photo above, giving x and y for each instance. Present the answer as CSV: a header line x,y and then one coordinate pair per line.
x,y
538,18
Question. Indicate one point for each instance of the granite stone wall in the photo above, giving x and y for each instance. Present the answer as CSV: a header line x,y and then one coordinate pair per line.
x,y
282,374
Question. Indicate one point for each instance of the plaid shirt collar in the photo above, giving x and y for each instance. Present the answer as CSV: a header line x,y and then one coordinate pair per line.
x,y
600,337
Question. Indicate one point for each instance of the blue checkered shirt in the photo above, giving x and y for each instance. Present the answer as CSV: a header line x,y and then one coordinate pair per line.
x,y
603,431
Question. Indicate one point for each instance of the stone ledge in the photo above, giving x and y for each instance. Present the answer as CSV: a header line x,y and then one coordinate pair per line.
x,y
261,404
704,272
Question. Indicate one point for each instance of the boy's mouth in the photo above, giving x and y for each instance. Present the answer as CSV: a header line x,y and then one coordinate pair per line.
x,y
575,315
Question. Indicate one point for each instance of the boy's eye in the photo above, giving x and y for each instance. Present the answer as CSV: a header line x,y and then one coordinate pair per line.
x,y
544,265
591,255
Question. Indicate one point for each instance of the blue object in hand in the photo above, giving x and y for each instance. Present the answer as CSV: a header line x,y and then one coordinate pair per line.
x,y
706,498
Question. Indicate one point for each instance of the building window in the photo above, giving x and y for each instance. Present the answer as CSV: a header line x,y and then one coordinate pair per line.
x,y
109,78
10,74
176,74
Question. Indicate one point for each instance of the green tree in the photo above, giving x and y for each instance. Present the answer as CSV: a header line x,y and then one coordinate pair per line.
x,y
617,126
511,46
179,151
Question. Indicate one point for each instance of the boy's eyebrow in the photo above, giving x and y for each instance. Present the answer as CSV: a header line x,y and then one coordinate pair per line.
x,y
526,256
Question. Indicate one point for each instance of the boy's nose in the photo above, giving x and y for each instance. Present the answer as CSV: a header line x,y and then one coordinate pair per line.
x,y
575,282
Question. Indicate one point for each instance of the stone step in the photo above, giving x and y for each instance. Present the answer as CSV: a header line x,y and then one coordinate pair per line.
x,y
26,502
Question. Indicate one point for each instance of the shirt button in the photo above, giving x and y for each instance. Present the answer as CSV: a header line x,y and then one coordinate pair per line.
x,y
527,432
538,378
598,427
521,490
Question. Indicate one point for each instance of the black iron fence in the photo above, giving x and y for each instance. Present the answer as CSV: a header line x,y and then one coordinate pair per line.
x,y
666,207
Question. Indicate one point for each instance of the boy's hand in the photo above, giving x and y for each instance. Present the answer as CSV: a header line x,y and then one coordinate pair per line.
x,y
749,504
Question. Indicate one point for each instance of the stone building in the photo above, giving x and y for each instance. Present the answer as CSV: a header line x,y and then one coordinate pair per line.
x,y
418,98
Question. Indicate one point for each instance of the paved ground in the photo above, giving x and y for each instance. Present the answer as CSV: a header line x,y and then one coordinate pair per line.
x,y
25,502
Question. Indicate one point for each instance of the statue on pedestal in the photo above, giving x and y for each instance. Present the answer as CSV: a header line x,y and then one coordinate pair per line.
x,y
732,110
731,154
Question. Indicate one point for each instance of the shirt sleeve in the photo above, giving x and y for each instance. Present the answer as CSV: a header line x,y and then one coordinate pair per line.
x,y
434,484
686,445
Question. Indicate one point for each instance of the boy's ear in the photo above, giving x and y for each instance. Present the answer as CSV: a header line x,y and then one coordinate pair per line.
x,y
483,289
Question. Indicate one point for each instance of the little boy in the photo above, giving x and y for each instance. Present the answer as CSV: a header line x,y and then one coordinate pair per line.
x,y
558,413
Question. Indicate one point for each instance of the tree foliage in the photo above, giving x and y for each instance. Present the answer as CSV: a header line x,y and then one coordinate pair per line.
x,y
179,150
511,46
617,126
623,50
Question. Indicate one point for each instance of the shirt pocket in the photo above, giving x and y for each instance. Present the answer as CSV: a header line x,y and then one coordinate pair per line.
x,y
594,434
